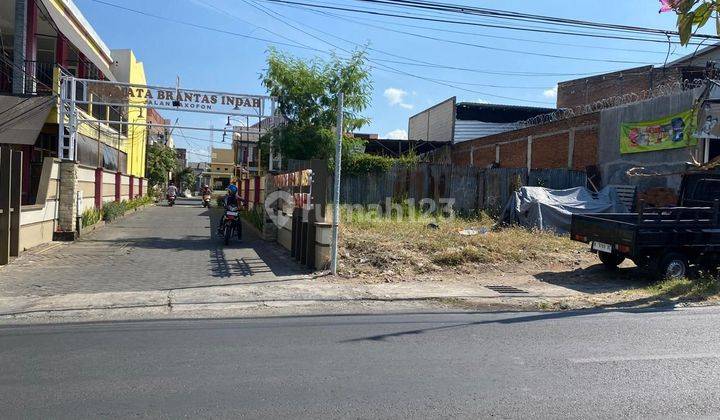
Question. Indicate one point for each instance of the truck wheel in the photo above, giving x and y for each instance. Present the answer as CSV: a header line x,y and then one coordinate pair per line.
x,y
609,260
673,266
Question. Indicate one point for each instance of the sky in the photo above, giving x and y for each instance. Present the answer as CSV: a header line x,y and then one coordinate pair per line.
x,y
227,60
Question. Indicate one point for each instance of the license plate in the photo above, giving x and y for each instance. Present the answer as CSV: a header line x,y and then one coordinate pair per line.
x,y
600,246
231,213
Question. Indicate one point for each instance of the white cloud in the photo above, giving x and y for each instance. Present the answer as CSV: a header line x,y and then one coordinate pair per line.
x,y
397,134
397,96
550,93
481,101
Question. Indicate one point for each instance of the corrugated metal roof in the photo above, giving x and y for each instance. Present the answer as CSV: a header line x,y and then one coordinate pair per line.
x,y
470,130
495,113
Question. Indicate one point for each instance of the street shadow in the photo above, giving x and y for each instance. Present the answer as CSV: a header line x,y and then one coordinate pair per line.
x,y
270,258
653,305
597,279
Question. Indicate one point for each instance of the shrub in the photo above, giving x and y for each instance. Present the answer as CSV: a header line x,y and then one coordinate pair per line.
x,y
113,210
91,216
255,216
363,163
139,202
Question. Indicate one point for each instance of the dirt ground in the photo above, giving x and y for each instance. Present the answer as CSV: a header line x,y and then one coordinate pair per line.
x,y
549,272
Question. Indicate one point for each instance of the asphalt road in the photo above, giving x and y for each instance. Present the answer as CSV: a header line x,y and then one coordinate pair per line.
x,y
572,364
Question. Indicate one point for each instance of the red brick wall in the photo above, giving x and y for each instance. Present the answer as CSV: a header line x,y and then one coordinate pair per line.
x,y
550,145
513,155
585,152
484,156
574,93
551,151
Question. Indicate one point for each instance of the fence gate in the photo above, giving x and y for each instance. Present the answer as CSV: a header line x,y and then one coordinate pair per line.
x,y
10,196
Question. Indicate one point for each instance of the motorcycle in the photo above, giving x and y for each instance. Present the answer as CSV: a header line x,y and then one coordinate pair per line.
x,y
231,224
171,200
206,200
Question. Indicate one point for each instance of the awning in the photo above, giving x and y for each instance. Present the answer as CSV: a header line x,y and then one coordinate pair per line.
x,y
21,119
79,32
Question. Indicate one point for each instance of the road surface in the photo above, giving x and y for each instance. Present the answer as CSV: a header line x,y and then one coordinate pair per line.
x,y
657,363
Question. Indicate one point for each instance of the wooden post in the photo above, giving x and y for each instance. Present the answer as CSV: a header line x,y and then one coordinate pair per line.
x,y
5,185
15,201
98,187
118,185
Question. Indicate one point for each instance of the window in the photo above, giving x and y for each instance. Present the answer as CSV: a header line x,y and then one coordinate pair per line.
x,y
707,190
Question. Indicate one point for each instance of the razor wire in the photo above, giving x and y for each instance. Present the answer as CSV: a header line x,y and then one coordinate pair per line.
x,y
665,89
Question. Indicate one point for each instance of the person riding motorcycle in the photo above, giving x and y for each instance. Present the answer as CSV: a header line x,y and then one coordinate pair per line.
x,y
231,199
205,190
171,190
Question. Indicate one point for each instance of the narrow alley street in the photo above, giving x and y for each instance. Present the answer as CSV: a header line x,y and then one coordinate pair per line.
x,y
159,248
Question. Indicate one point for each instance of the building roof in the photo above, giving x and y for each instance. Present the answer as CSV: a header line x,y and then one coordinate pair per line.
x,y
73,25
493,113
397,147
696,54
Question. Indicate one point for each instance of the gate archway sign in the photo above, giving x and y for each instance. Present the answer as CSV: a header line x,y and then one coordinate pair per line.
x,y
126,96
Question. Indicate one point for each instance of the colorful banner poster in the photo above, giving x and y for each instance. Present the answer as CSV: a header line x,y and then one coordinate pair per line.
x,y
709,121
671,132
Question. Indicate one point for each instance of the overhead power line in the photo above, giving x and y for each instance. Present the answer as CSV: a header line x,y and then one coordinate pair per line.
x,y
468,23
475,34
513,15
385,67
306,47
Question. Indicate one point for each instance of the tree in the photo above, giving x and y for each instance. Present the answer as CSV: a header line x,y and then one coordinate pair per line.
x,y
307,96
692,14
186,177
161,161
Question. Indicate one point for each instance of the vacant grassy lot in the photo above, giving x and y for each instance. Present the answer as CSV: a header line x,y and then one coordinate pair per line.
x,y
392,247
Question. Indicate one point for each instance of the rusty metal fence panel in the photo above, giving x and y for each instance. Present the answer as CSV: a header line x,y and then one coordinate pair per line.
x,y
557,179
472,188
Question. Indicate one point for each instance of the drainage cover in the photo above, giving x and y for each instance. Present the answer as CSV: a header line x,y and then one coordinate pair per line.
x,y
506,289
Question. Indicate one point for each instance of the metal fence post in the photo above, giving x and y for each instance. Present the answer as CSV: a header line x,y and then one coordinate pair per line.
x,y
16,178
5,185
336,189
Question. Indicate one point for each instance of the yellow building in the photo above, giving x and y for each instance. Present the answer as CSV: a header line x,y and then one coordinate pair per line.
x,y
222,168
128,69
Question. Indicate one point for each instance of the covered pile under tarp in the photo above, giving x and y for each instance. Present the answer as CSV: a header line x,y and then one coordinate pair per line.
x,y
538,207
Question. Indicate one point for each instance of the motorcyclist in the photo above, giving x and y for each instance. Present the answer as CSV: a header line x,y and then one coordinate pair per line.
x,y
171,190
231,199
205,190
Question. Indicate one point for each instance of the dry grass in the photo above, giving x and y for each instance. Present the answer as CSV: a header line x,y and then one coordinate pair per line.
x,y
699,289
405,247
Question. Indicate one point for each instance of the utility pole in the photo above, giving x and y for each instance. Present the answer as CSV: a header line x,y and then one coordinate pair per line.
x,y
336,189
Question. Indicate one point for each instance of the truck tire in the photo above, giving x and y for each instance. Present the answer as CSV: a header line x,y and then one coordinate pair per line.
x,y
609,260
673,265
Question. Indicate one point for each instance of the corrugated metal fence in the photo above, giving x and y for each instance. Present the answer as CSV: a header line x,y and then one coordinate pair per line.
x,y
472,188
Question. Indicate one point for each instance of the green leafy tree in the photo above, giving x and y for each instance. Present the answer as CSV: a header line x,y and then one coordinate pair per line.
x,y
307,95
692,15
161,161
186,177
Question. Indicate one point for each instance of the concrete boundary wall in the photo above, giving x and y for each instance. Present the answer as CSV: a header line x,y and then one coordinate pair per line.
x,y
108,189
614,165
86,184
124,187
38,221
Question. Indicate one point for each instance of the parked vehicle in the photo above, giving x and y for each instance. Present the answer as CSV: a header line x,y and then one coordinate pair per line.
x,y
665,239
206,200
171,200
231,225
